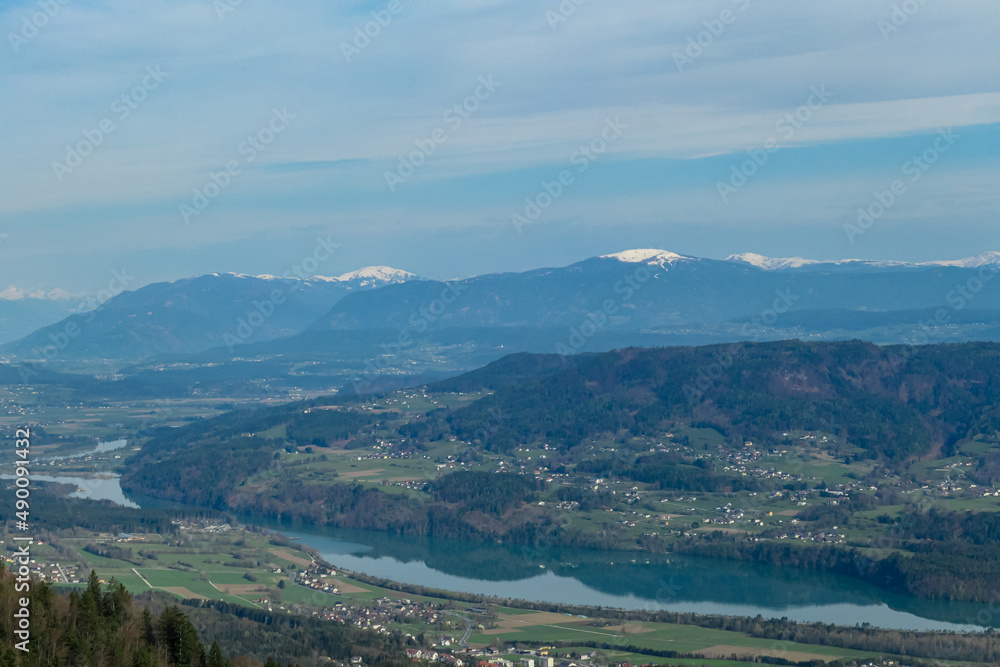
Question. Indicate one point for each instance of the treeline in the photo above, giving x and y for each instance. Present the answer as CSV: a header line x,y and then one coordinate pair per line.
x,y
487,516
933,571
492,493
976,528
112,551
199,463
325,427
102,516
669,471
201,476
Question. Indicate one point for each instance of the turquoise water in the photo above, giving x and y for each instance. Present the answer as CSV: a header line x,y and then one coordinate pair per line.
x,y
630,581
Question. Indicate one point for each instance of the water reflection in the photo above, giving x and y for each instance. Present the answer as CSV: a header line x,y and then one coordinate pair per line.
x,y
624,579
101,447
102,486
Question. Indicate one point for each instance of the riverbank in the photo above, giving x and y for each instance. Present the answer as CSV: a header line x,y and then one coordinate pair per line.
x,y
981,648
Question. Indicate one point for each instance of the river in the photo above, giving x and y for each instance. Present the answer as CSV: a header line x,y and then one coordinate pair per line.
x,y
633,581
100,486
101,447
630,580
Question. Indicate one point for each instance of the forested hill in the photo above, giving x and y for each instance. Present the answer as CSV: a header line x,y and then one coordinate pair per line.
x,y
894,402
97,626
512,370
102,626
518,464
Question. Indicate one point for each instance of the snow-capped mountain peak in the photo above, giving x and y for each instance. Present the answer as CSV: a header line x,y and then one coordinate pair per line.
x,y
377,274
650,256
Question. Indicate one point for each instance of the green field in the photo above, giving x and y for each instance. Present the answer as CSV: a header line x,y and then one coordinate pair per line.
x,y
656,636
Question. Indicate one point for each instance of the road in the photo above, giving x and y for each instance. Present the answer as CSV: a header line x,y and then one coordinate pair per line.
x,y
468,631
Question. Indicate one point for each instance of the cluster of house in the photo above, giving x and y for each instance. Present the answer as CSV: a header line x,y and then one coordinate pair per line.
x,y
382,612
823,536
318,579
51,572
425,655
209,525
540,661
756,472
484,658
491,657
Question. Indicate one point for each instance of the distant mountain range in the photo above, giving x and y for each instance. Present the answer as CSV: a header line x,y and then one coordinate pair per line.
x,y
195,314
631,297
655,290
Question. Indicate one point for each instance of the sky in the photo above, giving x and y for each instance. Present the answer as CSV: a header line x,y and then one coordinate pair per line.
x,y
171,138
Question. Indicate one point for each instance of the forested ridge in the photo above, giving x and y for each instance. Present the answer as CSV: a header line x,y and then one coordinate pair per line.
x,y
894,404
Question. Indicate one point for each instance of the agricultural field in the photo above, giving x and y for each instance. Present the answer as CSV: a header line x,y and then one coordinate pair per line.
x,y
240,567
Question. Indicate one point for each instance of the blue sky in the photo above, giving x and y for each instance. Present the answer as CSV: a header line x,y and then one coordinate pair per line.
x,y
199,77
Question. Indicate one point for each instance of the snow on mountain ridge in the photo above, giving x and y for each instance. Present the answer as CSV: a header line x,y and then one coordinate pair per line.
x,y
777,263
650,256
762,262
366,276
378,273
987,258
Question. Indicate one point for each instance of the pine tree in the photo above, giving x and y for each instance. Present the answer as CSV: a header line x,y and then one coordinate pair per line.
x,y
148,632
179,638
215,657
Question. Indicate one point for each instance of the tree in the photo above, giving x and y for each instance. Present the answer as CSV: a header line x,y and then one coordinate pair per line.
x,y
148,632
215,657
179,638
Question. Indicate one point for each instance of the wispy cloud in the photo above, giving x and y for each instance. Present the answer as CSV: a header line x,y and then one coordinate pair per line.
x,y
561,82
